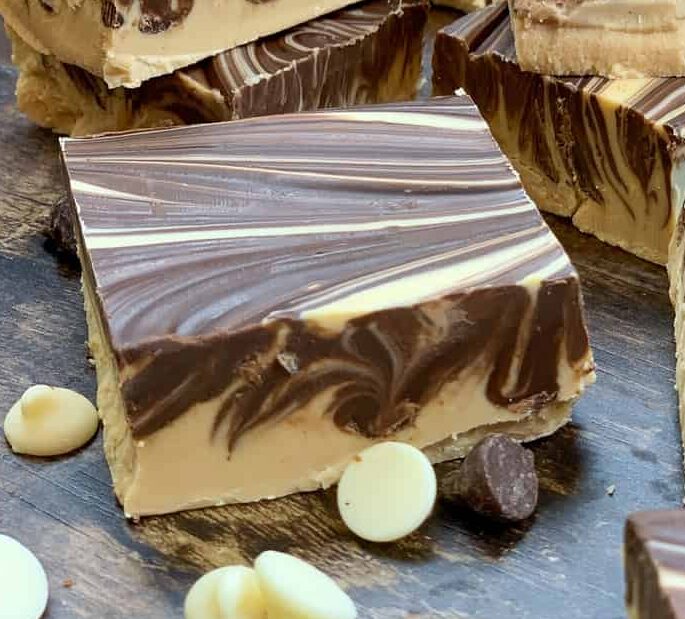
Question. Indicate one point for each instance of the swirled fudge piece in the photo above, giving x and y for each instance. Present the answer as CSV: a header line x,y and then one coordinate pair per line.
x,y
619,39
129,41
654,555
268,297
606,153
369,53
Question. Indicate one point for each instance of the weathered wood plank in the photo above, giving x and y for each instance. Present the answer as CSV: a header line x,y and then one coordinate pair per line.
x,y
624,434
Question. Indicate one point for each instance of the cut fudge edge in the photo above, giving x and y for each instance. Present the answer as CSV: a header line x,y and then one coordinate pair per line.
x,y
122,449
123,56
564,197
71,101
556,50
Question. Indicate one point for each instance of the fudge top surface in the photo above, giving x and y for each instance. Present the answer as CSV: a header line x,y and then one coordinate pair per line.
x,y
661,100
629,15
197,230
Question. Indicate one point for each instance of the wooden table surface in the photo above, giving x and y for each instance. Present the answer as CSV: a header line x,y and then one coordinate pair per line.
x,y
566,562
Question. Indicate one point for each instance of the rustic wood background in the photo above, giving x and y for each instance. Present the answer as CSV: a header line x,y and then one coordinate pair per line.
x,y
566,562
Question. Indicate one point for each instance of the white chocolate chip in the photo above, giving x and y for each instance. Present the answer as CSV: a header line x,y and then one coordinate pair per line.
x,y
294,589
226,593
50,421
387,492
23,583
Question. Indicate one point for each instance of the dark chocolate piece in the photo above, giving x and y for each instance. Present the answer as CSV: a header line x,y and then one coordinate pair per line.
x,y
111,17
60,228
654,555
497,480
152,16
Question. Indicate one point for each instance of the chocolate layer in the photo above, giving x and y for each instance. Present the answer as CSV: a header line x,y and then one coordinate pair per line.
x,y
603,152
370,53
654,551
231,287
378,270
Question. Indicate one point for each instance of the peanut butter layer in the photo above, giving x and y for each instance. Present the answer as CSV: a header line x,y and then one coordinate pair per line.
x,y
606,153
129,41
369,53
676,274
307,285
612,38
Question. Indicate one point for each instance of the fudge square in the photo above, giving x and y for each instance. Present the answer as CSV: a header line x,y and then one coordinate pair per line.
x,y
267,297
367,53
129,41
606,153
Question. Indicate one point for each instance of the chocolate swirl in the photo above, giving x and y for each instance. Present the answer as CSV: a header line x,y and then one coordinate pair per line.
x,y
220,254
151,16
368,53
591,134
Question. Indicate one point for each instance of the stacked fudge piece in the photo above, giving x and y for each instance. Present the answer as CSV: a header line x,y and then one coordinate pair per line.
x,y
607,153
95,66
588,101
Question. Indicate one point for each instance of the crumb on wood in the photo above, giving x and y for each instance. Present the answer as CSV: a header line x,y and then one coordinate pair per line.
x,y
611,490
67,583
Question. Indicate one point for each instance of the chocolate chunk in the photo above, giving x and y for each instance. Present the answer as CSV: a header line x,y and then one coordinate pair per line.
x,y
61,228
111,17
160,15
47,6
497,480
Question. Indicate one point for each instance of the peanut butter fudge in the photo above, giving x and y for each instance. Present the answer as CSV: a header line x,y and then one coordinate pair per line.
x,y
654,554
616,38
369,53
676,273
129,41
268,297
606,153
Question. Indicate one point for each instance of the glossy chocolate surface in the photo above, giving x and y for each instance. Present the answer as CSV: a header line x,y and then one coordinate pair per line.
x,y
487,33
228,250
477,53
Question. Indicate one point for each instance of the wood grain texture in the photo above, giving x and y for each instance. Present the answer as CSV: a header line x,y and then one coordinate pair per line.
x,y
565,562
